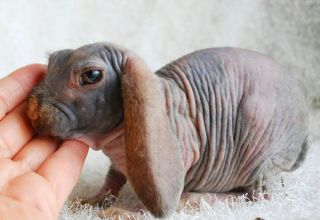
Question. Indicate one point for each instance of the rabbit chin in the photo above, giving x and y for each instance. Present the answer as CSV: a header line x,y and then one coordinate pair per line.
x,y
100,141
112,144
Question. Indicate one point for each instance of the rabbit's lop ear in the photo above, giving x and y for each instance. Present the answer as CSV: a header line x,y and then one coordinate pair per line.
x,y
154,158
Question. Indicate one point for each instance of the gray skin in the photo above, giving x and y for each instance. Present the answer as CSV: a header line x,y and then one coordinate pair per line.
x,y
216,120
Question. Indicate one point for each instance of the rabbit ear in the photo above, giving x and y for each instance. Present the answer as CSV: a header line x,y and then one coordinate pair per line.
x,y
154,159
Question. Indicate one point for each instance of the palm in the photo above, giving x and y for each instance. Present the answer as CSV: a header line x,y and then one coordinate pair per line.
x,y
29,194
36,173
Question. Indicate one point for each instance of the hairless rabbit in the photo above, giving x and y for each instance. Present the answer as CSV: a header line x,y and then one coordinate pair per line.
x,y
214,122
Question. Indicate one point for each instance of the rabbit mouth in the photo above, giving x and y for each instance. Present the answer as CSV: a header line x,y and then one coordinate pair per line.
x,y
50,117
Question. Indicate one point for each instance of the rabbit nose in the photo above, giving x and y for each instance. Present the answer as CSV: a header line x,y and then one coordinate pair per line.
x,y
32,109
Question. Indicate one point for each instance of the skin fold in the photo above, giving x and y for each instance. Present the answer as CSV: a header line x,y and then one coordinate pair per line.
x,y
217,120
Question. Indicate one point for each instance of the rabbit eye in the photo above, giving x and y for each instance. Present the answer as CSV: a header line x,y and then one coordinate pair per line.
x,y
90,77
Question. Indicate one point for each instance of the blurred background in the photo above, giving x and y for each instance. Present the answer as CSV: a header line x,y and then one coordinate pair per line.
x,y
160,31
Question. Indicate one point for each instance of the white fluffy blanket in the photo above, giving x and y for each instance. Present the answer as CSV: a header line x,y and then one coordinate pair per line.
x,y
297,198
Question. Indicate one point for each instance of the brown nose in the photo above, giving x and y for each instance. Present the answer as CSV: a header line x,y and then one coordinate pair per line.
x,y
33,109
47,118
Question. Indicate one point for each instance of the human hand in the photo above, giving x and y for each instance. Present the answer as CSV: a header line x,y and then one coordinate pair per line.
x,y
36,173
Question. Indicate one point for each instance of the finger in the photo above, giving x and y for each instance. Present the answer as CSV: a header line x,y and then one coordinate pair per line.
x,y
28,159
35,152
62,169
15,87
15,132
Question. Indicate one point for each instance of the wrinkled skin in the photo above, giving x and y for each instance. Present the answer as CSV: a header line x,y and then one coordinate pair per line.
x,y
214,121
65,108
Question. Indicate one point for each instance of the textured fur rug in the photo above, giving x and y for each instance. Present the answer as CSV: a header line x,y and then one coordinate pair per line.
x,y
294,195
297,198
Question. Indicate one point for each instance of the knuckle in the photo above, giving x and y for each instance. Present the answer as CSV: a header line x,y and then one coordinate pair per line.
x,y
5,150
